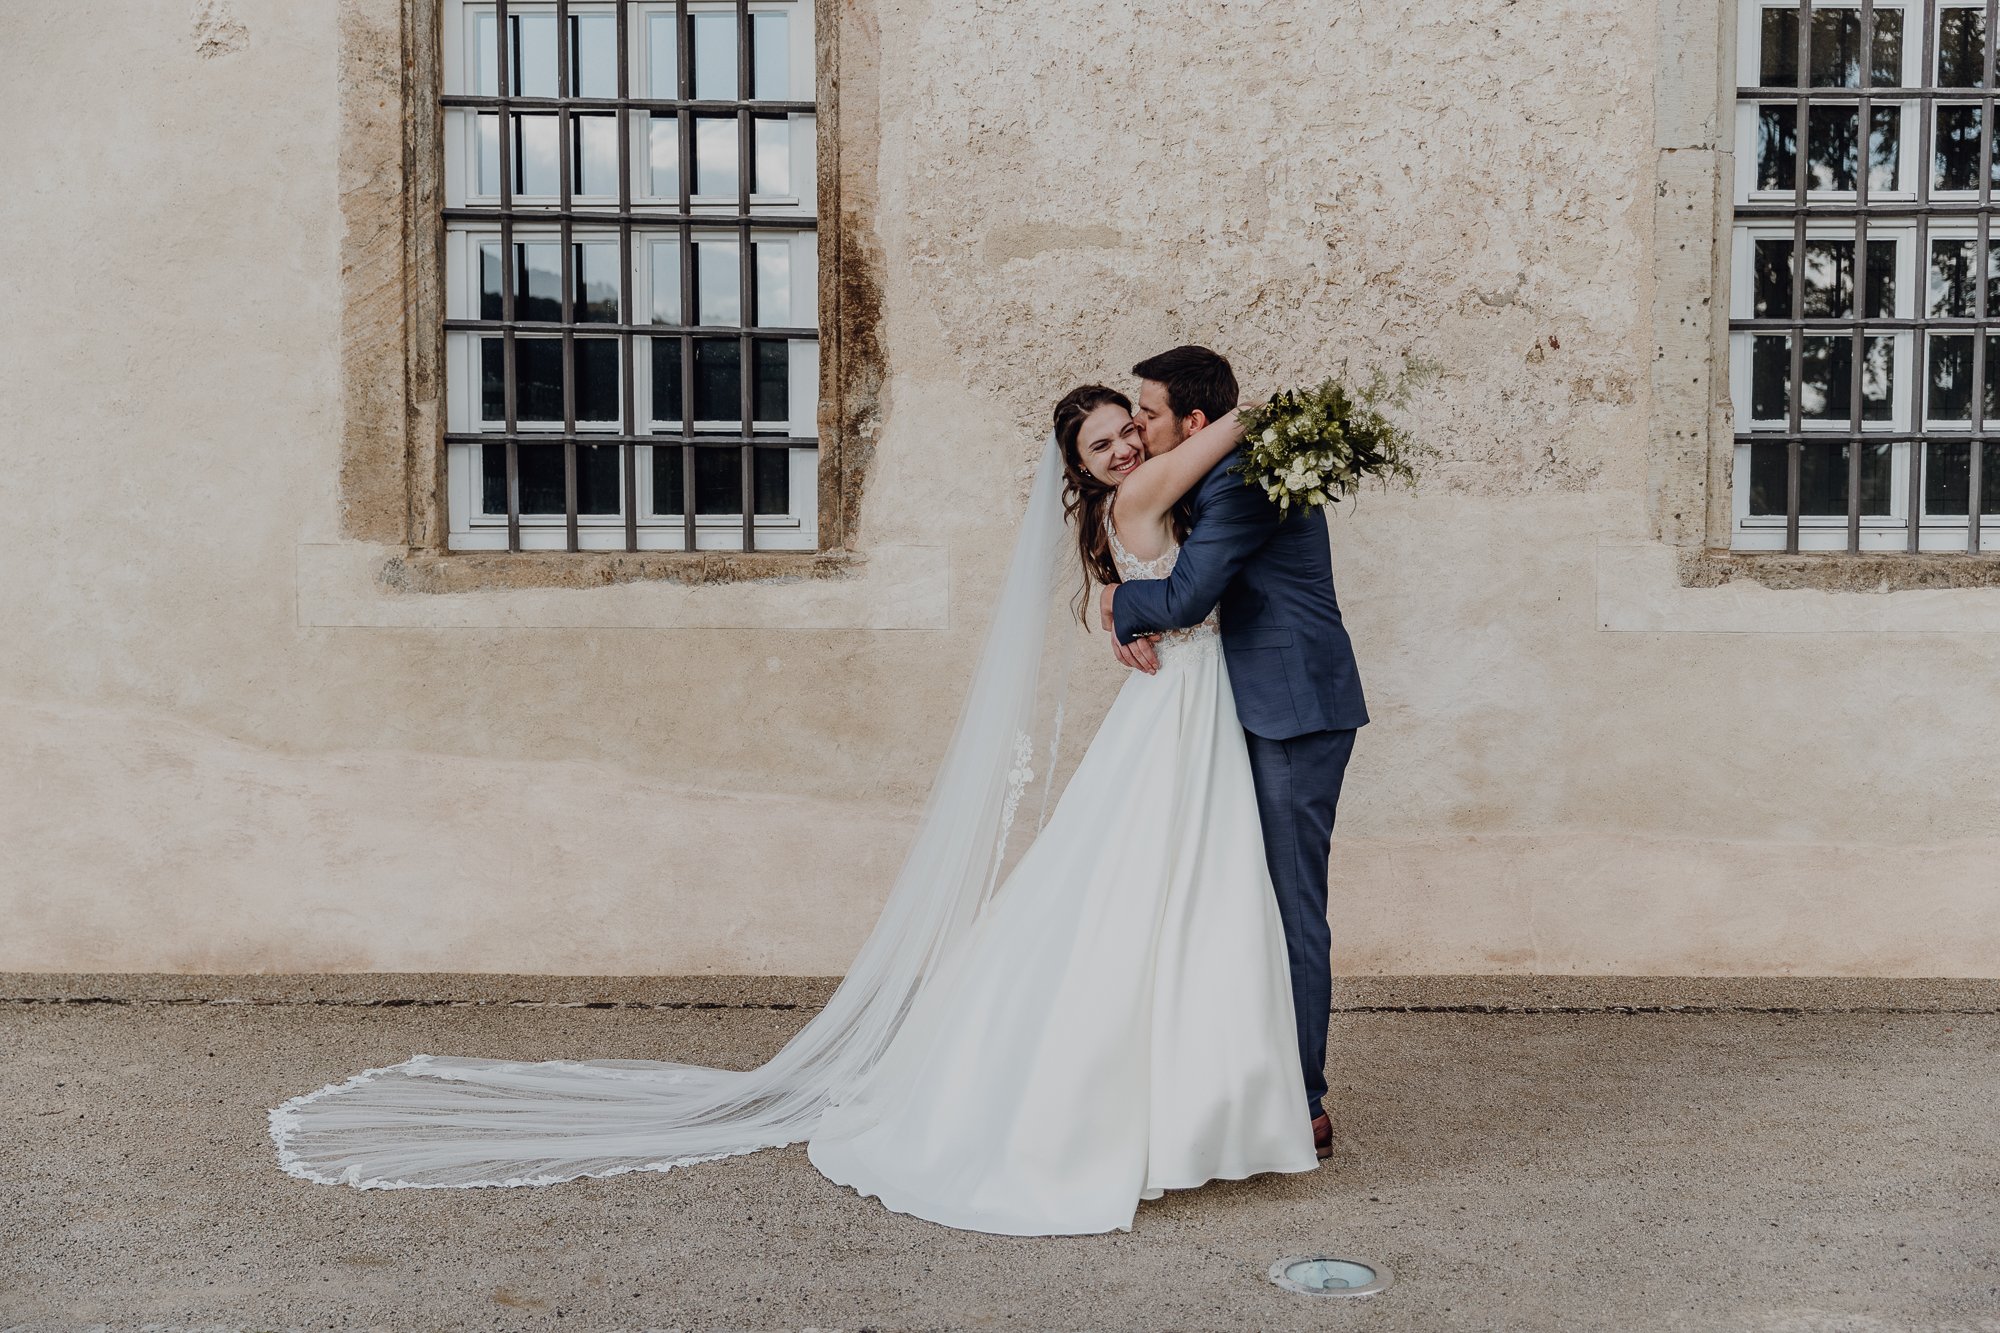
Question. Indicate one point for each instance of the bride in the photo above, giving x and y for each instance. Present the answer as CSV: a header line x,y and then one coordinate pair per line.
x,y
1031,1054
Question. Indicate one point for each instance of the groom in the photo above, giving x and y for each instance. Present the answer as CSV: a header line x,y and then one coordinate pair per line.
x,y
1298,694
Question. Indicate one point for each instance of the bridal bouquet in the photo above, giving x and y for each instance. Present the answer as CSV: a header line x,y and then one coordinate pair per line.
x,y
1312,446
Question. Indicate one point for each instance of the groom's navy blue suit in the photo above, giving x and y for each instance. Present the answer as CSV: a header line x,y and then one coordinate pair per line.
x,y
1298,696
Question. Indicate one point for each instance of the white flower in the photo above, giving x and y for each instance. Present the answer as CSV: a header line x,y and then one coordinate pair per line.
x,y
1270,434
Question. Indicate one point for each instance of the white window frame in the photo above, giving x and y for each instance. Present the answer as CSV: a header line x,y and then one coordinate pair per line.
x,y
1910,396
472,529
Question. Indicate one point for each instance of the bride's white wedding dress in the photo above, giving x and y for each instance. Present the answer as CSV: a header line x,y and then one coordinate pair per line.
x,y
1118,1022
1115,1020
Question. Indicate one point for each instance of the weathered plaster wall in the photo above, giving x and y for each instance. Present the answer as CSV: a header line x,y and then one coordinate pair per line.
x,y
214,763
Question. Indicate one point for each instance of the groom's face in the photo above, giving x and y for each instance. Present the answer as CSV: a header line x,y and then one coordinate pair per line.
x,y
1157,423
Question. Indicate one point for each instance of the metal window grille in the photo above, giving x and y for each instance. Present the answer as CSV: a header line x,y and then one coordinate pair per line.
x,y
632,274
1865,362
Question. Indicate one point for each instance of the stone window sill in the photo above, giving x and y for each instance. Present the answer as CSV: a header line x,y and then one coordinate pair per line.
x,y
492,571
1838,571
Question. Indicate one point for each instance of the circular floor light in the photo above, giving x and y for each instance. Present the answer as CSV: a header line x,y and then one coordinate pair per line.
x,y
1324,1275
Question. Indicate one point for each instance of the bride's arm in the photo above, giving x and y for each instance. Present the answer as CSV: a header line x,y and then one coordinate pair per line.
x,y
1157,484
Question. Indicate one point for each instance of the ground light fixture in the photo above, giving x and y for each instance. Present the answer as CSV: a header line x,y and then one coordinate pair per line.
x,y
1324,1275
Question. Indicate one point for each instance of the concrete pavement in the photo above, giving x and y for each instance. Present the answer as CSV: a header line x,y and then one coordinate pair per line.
x,y
1715,1169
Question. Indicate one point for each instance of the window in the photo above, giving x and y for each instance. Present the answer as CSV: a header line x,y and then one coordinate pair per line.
x,y
1864,357
631,275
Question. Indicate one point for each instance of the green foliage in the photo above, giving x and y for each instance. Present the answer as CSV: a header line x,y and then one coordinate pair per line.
x,y
1315,446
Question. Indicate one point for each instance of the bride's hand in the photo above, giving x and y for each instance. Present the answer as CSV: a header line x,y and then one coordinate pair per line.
x,y
1138,654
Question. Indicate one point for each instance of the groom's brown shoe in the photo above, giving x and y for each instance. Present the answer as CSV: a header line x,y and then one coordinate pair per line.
x,y
1323,1136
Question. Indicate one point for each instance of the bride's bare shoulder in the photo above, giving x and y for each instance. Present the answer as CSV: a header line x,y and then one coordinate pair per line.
x,y
1144,537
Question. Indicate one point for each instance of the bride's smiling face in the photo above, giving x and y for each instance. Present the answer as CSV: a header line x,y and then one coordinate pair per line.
x,y
1110,444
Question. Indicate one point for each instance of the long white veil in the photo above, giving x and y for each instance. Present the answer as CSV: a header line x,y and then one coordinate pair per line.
x,y
437,1122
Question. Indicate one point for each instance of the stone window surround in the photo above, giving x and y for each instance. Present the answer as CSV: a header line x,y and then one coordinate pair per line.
x,y
392,456
1691,443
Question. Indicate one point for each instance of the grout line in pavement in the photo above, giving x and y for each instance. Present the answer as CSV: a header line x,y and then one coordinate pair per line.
x,y
1659,1009
400,1002
404,1002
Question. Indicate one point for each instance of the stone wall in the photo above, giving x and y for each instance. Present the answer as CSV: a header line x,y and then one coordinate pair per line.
x,y
232,746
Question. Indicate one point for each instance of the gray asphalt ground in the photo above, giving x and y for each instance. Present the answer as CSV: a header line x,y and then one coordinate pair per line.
x,y
1719,1168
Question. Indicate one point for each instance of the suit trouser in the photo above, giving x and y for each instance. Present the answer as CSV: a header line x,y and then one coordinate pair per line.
x,y
1298,786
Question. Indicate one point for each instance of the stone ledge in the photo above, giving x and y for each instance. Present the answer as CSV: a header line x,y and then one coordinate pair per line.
x,y
1496,994
1654,588
1574,993
360,584
397,989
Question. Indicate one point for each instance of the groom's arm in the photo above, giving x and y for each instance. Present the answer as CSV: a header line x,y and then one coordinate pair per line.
x,y
1236,521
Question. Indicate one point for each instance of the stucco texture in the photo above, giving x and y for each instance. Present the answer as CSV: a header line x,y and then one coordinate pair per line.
x,y
203,773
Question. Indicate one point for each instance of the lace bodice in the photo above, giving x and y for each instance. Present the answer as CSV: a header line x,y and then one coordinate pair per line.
x,y
1178,644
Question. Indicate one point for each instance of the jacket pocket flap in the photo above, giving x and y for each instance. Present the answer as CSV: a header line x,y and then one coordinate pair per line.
x,y
1261,636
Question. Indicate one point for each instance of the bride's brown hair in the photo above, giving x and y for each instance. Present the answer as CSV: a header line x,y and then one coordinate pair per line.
x,y
1086,500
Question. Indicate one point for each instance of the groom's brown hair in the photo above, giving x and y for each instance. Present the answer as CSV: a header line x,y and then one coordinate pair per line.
x,y
1196,380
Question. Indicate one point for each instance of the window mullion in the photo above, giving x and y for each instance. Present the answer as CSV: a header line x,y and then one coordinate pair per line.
x,y
684,88
1801,166
1921,344
503,45
628,424
746,367
1976,446
565,167
1858,294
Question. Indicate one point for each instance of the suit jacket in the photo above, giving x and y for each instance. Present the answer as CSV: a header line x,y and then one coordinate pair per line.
x,y
1290,661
